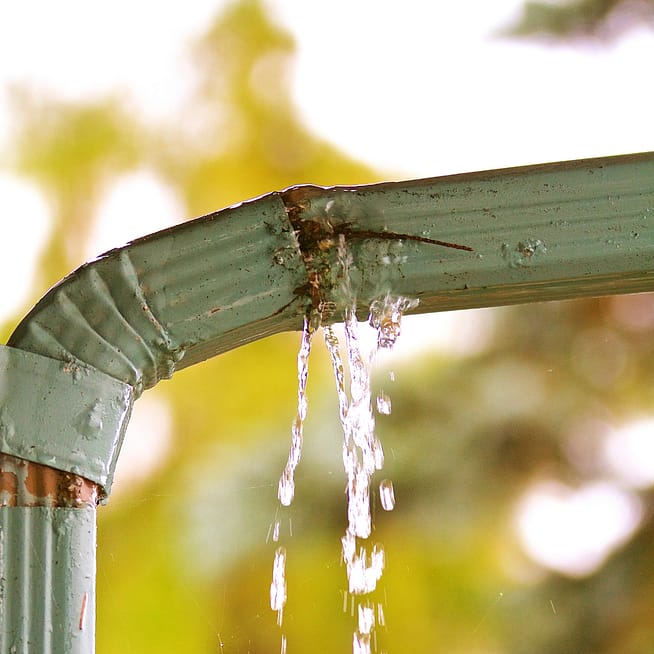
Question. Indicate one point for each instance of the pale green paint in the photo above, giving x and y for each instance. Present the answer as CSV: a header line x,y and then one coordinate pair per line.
x,y
64,415
47,580
174,298
549,232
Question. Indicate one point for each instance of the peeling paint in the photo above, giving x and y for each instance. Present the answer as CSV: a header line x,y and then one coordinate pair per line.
x,y
24,483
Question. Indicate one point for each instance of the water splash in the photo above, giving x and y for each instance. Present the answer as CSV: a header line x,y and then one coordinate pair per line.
x,y
386,317
363,454
286,488
362,451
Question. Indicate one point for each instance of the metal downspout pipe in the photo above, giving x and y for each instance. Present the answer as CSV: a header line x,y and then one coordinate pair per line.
x,y
116,326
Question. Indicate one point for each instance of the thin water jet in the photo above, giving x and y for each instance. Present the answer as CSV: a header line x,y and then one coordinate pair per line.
x,y
362,451
286,488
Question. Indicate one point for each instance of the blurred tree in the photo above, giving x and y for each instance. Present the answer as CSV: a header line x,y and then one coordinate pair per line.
x,y
583,18
251,139
184,563
72,151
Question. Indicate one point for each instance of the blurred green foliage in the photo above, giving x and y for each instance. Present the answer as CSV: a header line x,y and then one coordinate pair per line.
x,y
583,18
184,561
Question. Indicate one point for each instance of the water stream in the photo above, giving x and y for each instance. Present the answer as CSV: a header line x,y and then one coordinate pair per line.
x,y
286,489
363,454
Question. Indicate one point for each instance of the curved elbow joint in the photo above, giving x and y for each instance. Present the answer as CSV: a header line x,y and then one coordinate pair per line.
x,y
119,324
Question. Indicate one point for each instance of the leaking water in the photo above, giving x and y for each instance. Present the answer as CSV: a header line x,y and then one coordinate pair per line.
x,y
275,533
286,489
383,404
387,495
363,454
278,585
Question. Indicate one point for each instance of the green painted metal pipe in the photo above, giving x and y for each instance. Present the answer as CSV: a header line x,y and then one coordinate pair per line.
x,y
48,580
185,294
121,323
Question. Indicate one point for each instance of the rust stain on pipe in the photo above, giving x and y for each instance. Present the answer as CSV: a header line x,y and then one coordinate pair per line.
x,y
24,483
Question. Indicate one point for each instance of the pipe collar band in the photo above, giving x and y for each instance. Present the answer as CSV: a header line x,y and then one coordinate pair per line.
x,y
62,414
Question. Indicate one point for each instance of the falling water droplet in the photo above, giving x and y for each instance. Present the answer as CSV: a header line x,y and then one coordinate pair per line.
x,y
386,317
381,618
366,618
384,404
378,454
278,585
275,534
387,495
286,489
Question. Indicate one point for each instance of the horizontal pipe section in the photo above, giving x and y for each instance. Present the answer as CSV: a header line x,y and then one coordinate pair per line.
x,y
174,298
546,232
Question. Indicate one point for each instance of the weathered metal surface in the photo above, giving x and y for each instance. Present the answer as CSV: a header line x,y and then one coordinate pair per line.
x,y
176,297
553,231
164,302
63,415
47,580
24,483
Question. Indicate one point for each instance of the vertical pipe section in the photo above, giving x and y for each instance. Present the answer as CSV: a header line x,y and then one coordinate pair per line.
x,y
70,420
47,582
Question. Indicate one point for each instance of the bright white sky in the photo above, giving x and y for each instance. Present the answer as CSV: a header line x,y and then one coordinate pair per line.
x,y
413,87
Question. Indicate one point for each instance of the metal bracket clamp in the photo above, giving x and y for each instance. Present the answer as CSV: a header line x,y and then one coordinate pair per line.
x,y
62,414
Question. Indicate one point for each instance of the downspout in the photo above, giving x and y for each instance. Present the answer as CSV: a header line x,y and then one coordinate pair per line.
x,y
116,326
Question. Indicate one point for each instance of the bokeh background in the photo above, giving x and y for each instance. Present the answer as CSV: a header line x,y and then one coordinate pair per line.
x,y
521,442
